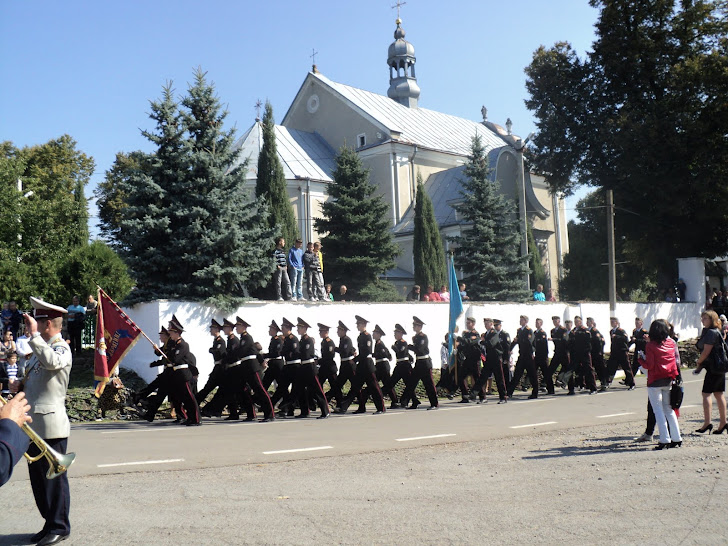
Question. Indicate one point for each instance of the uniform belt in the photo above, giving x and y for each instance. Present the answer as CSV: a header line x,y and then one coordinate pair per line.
x,y
168,365
347,359
403,360
382,360
422,357
249,357
233,364
309,361
180,367
218,362
297,361
276,358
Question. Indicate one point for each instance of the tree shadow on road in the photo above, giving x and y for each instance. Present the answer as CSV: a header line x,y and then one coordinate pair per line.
x,y
600,446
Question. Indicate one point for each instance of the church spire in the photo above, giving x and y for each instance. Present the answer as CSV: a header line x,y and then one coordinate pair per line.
x,y
401,60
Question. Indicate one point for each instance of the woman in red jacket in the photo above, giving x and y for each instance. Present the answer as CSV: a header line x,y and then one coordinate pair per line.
x,y
660,360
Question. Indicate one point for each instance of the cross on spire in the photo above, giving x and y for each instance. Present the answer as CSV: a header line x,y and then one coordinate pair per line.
x,y
398,5
258,106
313,56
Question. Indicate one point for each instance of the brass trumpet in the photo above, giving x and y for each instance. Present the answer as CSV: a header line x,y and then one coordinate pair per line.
x,y
58,462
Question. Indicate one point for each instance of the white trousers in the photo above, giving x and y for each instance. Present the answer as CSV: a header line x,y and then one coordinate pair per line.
x,y
664,414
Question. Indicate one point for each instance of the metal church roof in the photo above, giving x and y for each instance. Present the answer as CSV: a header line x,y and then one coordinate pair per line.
x,y
420,126
303,155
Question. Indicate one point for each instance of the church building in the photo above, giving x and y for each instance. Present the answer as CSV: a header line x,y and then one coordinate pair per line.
x,y
398,141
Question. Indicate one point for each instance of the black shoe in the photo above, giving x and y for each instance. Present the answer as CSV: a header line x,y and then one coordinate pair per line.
x,y
464,401
232,418
249,419
450,396
593,392
660,446
191,424
703,430
39,535
433,407
360,410
413,406
301,416
323,416
267,419
181,422
570,393
533,397
394,406
502,401
720,430
51,538
378,412
550,392
148,418
631,388
675,444
340,411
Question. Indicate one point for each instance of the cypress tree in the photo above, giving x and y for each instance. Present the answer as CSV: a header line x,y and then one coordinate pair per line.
x,y
429,255
190,229
358,246
270,185
488,248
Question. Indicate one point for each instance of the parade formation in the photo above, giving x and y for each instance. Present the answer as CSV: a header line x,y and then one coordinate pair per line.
x,y
291,374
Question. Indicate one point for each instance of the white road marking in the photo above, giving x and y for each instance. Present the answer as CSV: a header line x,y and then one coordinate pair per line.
x,y
694,381
161,461
689,406
319,448
535,424
423,437
615,415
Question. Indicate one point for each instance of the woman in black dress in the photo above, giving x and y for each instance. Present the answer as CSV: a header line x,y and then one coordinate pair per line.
x,y
714,383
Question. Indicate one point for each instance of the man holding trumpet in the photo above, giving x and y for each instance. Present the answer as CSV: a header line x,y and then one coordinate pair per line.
x,y
45,385
13,441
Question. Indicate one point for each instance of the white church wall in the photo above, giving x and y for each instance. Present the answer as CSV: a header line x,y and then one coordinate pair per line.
x,y
196,319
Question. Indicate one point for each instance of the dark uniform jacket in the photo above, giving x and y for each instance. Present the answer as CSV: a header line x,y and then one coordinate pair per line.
x,y
620,341
381,352
524,340
505,340
307,348
13,443
541,343
345,349
274,348
328,349
580,341
231,351
290,348
218,350
401,353
247,353
364,345
492,346
560,338
597,342
421,349
468,347
639,338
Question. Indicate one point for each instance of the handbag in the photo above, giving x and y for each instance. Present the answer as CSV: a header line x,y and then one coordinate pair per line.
x,y
719,358
676,393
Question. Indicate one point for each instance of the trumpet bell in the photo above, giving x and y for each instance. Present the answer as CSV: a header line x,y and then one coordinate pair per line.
x,y
59,463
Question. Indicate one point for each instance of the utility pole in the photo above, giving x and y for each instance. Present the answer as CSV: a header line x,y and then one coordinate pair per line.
x,y
610,247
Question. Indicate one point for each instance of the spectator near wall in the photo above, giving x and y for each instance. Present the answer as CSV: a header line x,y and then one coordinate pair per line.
x,y
280,278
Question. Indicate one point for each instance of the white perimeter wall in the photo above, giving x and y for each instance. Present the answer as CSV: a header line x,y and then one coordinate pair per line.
x,y
196,318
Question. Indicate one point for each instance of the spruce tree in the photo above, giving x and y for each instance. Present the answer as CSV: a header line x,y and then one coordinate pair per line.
x,y
429,255
190,229
270,186
358,246
489,245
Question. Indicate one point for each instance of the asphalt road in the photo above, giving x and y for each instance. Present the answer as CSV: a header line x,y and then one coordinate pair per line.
x,y
557,470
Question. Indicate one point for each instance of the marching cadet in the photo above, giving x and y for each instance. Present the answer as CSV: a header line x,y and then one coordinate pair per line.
x,y
346,355
639,338
541,360
45,385
581,356
307,384
423,367
365,372
402,367
247,377
162,383
468,359
273,358
218,370
597,353
292,361
560,360
183,360
493,350
524,340
382,358
619,353
505,340
226,395
327,366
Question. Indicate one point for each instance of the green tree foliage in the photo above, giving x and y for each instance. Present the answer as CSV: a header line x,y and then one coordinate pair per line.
x,y
429,255
643,114
110,199
94,263
358,242
538,273
489,246
38,232
585,278
270,185
190,230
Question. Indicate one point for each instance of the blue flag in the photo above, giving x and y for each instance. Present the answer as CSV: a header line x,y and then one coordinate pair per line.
x,y
456,309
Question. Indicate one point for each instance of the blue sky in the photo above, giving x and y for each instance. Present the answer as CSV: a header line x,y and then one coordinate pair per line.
x,y
89,69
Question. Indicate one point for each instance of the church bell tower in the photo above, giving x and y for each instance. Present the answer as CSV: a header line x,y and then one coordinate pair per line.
x,y
401,60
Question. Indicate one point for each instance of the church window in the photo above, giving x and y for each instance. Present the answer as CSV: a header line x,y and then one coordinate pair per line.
x,y
361,139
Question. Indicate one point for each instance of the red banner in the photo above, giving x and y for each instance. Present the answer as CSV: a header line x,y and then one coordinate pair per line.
x,y
116,333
